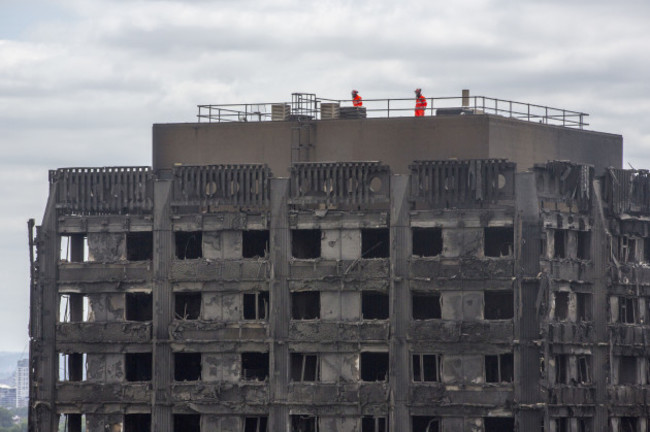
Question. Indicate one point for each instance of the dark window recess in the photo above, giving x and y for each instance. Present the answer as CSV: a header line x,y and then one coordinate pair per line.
x,y
583,306
373,424
426,306
374,305
585,425
137,422
255,243
628,424
375,243
374,366
187,366
305,305
646,250
138,366
139,246
562,424
627,370
255,366
187,423
426,367
498,241
74,362
627,249
498,305
559,241
256,424
304,367
584,245
187,305
305,244
139,307
304,423
561,369
626,310
499,368
427,242
498,424
561,305
73,422
425,424
74,248
256,305
189,244
584,369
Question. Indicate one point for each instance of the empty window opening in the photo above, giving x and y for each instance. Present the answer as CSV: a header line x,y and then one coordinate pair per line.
x,y
628,424
256,424
561,369
187,366
584,245
562,424
138,366
74,248
427,242
426,367
585,425
584,369
425,424
627,249
72,367
561,305
374,305
373,424
627,370
255,243
498,241
74,308
301,423
374,366
499,424
187,306
559,239
305,244
187,423
499,368
189,244
137,422
139,246
305,305
139,307
255,366
498,305
583,306
626,310
256,305
72,422
305,367
375,243
426,306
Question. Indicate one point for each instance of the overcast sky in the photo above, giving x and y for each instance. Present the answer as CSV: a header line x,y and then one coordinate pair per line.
x,y
82,81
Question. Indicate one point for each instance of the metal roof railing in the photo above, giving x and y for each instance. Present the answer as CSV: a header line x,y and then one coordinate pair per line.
x,y
391,108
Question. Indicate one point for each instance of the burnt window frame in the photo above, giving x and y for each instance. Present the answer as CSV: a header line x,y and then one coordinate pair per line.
x,y
583,245
488,241
142,239
250,245
261,303
419,360
182,371
560,237
194,316
133,422
425,423
300,362
375,243
297,422
374,424
561,313
584,369
305,316
502,375
498,427
256,423
562,369
490,310
584,307
300,238
259,377
629,380
136,364
190,239
627,310
182,427
130,309
374,312
364,359
423,237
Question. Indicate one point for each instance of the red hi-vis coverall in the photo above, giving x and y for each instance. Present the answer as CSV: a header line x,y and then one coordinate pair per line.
x,y
420,105
357,101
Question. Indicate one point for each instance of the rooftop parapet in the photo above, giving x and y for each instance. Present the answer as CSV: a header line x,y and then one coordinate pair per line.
x,y
103,190
241,185
336,183
462,183
306,106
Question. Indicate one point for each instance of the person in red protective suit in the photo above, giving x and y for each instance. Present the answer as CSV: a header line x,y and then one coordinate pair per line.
x,y
420,103
356,99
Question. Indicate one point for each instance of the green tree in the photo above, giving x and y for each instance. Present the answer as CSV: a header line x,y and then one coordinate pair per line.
x,y
5,419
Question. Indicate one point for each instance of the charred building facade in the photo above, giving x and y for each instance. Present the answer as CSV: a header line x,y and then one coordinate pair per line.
x,y
244,283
